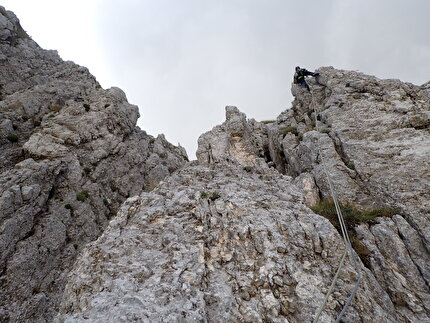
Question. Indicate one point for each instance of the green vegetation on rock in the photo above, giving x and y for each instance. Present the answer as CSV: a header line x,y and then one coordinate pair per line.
x,y
12,138
247,168
286,130
211,196
351,165
268,121
352,218
82,196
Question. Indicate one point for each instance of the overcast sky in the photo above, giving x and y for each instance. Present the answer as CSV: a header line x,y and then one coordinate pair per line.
x,y
183,61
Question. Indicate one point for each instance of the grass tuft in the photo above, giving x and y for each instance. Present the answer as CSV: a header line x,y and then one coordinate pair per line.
x,y
211,196
82,196
247,168
214,196
12,138
289,129
352,217
268,121
351,165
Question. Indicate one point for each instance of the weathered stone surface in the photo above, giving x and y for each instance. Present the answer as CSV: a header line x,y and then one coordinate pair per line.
x,y
77,157
227,239
399,262
217,244
374,140
234,140
374,135
306,182
379,157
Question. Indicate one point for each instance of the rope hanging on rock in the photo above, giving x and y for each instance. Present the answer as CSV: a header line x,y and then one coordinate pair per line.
x,y
345,235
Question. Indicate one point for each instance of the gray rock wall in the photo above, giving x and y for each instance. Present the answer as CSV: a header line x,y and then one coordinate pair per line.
x,y
70,155
374,138
218,244
227,238
232,239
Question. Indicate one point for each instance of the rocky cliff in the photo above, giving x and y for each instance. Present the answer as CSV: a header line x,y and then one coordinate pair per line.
x,y
71,154
374,135
232,238
244,234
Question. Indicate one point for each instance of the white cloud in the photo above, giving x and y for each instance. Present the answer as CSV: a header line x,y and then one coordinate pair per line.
x,y
183,61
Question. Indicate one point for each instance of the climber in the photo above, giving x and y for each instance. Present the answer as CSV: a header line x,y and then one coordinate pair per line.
x,y
299,76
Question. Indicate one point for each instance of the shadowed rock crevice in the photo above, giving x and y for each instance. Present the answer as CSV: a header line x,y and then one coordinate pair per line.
x,y
338,146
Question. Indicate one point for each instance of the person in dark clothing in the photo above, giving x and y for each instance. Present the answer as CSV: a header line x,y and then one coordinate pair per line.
x,y
299,76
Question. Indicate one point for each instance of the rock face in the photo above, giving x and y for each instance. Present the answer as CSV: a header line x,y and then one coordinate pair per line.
x,y
218,244
375,141
231,239
236,140
227,238
70,155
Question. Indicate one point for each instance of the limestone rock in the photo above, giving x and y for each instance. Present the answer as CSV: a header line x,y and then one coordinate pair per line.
x,y
306,182
372,136
217,244
70,155
234,141
229,238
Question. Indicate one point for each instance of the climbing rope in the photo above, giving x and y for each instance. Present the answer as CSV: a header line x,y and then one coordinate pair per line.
x,y
345,235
